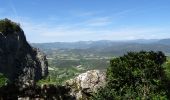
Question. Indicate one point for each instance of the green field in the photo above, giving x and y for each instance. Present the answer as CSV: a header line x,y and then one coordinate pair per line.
x,y
64,65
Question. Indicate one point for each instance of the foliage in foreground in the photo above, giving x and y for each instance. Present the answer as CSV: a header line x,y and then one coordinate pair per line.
x,y
137,75
3,80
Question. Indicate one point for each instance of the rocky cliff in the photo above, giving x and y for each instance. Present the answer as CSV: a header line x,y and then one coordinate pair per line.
x,y
19,61
84,85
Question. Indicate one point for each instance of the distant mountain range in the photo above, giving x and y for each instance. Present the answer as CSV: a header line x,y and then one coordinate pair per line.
x,y
109,47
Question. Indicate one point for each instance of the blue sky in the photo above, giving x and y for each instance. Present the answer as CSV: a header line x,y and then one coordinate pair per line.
x,y
84,20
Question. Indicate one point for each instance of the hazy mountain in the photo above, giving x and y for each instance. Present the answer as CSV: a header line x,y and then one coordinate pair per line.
x,y
88,44
164,41
107,47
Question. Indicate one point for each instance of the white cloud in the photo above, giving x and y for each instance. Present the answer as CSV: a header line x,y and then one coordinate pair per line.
x,y
45,32
100,21
136,33
92,28
78,13
95,19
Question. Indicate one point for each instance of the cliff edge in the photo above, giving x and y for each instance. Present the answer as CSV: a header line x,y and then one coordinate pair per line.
x,y
19,62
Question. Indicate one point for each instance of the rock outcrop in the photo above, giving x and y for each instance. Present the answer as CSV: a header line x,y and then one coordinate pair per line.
x,y
19,61
87,83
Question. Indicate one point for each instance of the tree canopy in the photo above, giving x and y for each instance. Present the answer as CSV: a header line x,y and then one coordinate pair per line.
x,y
136,75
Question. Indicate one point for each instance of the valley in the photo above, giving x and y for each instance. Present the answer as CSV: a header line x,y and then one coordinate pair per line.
x,y
68,60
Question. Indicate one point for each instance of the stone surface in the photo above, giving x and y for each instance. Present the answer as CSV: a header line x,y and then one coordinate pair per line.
x,y
19,61
85,84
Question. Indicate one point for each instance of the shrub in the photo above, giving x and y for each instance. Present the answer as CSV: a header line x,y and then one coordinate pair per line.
x,y
8,27
137,75
3,80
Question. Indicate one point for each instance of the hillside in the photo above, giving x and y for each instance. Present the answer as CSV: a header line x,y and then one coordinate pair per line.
x,y
164,41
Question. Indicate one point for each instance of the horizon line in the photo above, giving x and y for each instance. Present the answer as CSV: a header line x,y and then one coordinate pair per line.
x,y
98,40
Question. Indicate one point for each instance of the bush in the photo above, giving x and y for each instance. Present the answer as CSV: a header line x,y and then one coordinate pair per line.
x,y
137,75
3,80
8,27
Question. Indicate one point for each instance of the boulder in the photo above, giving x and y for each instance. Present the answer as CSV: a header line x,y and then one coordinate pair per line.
x,y
86,83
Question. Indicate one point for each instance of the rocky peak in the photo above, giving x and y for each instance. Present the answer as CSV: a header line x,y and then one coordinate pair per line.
x,y
86,83
18,60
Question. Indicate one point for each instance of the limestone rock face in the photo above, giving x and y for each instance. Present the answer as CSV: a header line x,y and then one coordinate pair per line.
x,y
83,85
19,61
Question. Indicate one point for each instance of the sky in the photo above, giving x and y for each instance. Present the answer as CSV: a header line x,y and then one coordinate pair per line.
x,y
89,20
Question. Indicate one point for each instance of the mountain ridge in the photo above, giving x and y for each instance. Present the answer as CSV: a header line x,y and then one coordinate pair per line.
x,y
109,47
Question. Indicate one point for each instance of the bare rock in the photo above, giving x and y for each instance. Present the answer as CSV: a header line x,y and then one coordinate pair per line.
x,y
19,62
85,84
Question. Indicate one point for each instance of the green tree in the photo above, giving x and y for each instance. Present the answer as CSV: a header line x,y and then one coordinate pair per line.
x,y
137,75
